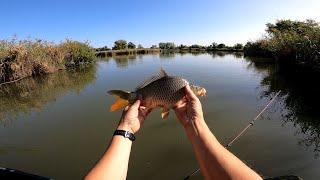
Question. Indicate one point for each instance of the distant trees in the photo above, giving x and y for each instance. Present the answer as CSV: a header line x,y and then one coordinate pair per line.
x,y
166,45
131,45
182,46
220,46
120,44
238,46
104,48
154,47
213,45
195,46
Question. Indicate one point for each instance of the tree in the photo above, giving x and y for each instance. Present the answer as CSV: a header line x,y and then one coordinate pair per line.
x,y
166,45
153,47
104,48
120,44
182,46
196,46
221,46
140,46
288,26
131,45
238,46
214,45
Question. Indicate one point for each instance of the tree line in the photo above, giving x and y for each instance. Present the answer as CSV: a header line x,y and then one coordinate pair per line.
x,y
120,45
123,44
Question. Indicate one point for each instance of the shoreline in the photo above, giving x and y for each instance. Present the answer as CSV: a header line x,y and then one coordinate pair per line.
x,y
125,52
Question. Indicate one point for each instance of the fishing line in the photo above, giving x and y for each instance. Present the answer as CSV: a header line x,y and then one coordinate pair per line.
x,y
241,132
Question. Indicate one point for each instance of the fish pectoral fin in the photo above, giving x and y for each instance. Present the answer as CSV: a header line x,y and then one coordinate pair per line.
x,y
120,103
164,113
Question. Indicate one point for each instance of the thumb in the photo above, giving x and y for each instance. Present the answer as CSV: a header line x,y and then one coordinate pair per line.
x,y
135,105
189,93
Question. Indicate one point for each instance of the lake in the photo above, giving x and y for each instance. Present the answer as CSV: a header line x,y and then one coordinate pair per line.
x,y
59,125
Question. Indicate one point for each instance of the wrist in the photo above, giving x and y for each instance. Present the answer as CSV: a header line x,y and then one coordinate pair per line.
x,y
195,127
125,127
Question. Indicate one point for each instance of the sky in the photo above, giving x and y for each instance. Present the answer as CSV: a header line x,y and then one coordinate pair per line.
x,y
148,22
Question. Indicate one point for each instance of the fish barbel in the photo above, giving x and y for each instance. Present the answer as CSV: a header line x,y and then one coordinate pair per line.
x,y
161,90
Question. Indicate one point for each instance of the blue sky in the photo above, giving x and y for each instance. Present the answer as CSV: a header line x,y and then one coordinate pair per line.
x,y
148,22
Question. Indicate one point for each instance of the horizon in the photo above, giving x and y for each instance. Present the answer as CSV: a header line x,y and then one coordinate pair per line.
x,y
102,23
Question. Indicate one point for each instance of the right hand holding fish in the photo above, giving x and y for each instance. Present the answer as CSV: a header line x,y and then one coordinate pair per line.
x,y
189,109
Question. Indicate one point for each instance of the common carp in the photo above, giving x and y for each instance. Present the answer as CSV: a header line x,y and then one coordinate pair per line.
x,y
161,90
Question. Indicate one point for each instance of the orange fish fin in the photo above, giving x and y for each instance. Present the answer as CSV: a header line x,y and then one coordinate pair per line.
x,y
120,103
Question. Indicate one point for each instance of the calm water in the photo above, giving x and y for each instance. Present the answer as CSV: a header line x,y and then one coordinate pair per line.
x,y
59,125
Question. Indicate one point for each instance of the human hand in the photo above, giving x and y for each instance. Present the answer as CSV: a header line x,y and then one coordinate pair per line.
x,y
189,109
133,117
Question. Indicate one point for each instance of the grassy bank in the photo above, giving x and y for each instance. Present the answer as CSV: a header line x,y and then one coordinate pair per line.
x,y
289,42
20,59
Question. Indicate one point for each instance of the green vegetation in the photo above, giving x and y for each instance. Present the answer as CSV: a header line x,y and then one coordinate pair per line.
x,y
20,59
131,45
120,44
170,46
166,45
296,42
127,52
104,48
122,48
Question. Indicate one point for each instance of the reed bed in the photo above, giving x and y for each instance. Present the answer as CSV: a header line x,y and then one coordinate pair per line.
x,y
24,58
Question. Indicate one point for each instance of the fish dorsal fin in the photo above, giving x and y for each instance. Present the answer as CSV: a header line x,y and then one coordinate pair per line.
x,y
160,75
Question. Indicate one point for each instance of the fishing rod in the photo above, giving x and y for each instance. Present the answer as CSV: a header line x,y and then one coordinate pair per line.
x,y
241,133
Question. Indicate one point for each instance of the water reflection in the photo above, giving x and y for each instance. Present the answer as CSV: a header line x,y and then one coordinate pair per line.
x,y
167,55
300,96
34,93
215,54
125,61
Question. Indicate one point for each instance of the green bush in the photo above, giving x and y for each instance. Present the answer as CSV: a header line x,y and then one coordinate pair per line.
x,y
77,53
297,41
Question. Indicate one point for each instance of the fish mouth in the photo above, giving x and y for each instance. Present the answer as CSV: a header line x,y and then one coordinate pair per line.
x,y
202,92
198,91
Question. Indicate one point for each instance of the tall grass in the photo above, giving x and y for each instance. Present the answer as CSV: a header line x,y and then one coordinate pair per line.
x,y
23,58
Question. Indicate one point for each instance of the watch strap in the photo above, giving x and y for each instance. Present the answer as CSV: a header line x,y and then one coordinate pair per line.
x,y
125,134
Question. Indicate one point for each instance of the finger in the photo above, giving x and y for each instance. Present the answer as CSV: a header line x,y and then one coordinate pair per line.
x,y
135,105
180,103
189,93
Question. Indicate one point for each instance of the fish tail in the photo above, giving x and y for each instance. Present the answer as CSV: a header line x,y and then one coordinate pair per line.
x,y
122,99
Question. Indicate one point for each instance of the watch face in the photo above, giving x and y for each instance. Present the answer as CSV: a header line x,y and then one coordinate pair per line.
x,y
127,134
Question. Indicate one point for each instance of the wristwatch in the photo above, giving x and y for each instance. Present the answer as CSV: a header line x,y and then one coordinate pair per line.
x,y
125,134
